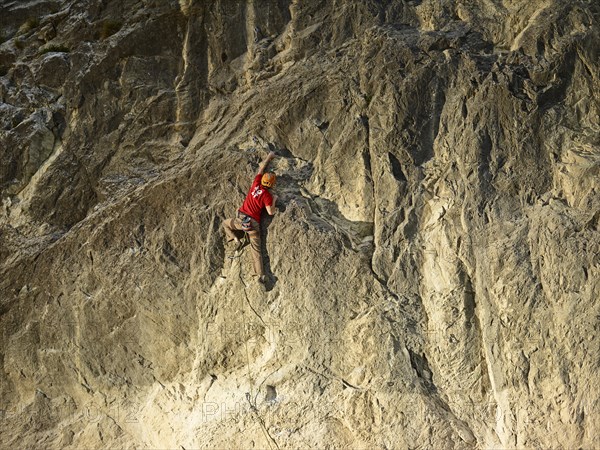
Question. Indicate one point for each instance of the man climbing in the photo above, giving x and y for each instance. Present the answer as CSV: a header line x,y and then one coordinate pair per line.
x,y
248,216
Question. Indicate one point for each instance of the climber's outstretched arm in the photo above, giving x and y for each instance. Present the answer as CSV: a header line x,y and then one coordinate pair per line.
x,y
265,163
271,209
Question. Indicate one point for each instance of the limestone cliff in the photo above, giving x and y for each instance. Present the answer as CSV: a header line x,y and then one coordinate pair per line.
x,y
434,267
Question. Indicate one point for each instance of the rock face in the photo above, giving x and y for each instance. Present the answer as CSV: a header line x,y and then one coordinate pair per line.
x,y
435,264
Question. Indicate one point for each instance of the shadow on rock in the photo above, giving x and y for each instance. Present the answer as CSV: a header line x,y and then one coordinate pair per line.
x,y
271,279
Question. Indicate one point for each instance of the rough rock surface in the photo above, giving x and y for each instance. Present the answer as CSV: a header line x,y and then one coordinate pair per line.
x,y
435,266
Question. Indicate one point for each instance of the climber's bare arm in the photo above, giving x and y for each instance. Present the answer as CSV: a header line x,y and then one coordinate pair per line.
x,y
271,209
265,163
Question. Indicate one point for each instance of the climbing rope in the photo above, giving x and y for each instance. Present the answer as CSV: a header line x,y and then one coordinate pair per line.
x,y
249,396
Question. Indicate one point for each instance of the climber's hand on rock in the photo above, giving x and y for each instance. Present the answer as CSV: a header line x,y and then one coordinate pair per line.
x,y
265,163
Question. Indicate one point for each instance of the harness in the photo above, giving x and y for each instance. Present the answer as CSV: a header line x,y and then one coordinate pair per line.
x,y
246,221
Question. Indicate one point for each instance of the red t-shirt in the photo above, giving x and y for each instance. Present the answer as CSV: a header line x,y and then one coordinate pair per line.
x,y
258,197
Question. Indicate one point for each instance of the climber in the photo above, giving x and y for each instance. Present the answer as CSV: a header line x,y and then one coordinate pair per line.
x,y
248,216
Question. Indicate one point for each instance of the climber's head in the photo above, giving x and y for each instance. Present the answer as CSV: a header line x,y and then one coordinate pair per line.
x,y
268,180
